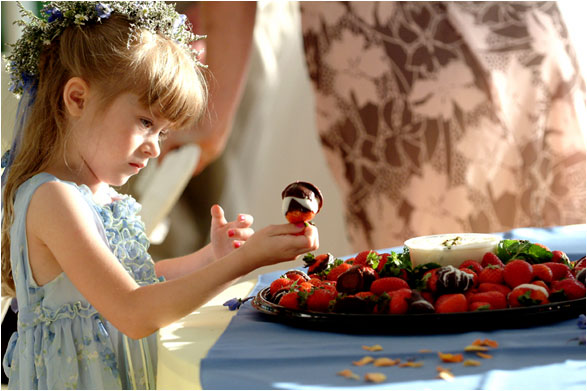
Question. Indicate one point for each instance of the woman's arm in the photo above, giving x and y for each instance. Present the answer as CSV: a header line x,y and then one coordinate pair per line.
x,y
56,219
229,28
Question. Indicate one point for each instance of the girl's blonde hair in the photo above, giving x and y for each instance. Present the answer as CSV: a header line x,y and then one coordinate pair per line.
x,y
155,68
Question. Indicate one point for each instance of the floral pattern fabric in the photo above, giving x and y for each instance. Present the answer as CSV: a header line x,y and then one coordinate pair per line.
x,y
447,117
62,342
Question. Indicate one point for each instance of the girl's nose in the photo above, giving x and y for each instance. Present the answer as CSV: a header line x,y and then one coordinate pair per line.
x,y
151,147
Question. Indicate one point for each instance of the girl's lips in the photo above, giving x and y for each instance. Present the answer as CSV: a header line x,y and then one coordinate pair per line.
x,y
138,165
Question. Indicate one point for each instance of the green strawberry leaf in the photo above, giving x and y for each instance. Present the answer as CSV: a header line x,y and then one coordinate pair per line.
x,y
526,300
309,259
509,249
483,307
373,260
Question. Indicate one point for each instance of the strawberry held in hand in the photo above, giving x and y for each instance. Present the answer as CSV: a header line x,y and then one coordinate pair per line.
x,y
301,202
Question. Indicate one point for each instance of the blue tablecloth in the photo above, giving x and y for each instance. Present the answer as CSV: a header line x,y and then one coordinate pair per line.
x,y
254,353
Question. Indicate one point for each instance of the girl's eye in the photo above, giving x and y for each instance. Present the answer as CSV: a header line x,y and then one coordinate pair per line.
x,y
163,135
146,123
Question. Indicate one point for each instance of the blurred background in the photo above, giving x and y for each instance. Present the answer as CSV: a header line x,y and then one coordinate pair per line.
x,y
273,140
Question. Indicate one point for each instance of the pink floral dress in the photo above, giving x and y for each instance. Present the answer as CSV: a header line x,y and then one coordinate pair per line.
x,y
447,117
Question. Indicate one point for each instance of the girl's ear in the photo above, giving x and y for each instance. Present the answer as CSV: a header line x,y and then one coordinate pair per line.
x,y
75,96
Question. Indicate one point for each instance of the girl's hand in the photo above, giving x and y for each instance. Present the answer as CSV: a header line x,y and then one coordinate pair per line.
x,y
227,236
280,243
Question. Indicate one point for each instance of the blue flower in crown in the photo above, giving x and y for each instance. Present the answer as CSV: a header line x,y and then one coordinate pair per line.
x,y
54,14
178,22
103,11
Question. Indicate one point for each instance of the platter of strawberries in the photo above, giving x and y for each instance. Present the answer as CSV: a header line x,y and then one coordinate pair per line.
x,y
518,284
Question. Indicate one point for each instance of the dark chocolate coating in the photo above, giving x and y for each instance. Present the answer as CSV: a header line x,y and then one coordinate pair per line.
x,y
301,189
350,281
419,305
353,305
453,280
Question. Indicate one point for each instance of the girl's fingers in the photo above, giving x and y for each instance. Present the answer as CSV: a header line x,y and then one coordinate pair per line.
x,y
237,243
218,219
244,220
287,229
240,233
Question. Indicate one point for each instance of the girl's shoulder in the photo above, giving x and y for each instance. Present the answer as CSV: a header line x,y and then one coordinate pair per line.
x,y
50,199
49,184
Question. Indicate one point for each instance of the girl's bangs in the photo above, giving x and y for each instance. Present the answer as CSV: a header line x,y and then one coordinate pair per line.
x,y
168,80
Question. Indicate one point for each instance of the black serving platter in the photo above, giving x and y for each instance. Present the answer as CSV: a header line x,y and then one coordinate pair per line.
x,y
510,318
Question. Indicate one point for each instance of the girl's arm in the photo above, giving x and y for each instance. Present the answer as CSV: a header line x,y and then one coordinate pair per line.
x,y
56,219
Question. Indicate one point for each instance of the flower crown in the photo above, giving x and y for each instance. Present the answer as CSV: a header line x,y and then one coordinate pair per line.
x,y
154,16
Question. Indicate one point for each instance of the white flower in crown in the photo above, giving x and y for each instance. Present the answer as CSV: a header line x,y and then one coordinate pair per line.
x,y
80,19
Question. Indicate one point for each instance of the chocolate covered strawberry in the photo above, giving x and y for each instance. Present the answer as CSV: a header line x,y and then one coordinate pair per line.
x,y
301,202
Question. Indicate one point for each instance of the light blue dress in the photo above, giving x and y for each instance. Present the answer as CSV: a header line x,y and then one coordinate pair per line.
x,y
62,342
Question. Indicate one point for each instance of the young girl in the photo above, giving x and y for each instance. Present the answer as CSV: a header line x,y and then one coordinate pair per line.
x,y
101,83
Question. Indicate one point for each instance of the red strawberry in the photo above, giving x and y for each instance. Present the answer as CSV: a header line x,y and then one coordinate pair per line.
x,y
496,300
491,259
431,279
451,302
278,284
541,272
337,271
578,265
540,283
491,273
320,299
489,286
473,273
559,257
387,284
527,294
559,270
399,301
471,264
297,275
315,281
382,261
298,216
428,296
517,272
361,258
569,288
366,295
479,306
305,286
290,300
318,263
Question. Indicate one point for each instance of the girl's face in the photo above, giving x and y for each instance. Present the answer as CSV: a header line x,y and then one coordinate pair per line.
x,y
116,143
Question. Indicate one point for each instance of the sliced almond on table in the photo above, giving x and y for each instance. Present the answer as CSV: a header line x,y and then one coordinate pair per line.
x,y
375,377
364,361
445,373
450,357
348,374
411,364
476,348
374,348
385,362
